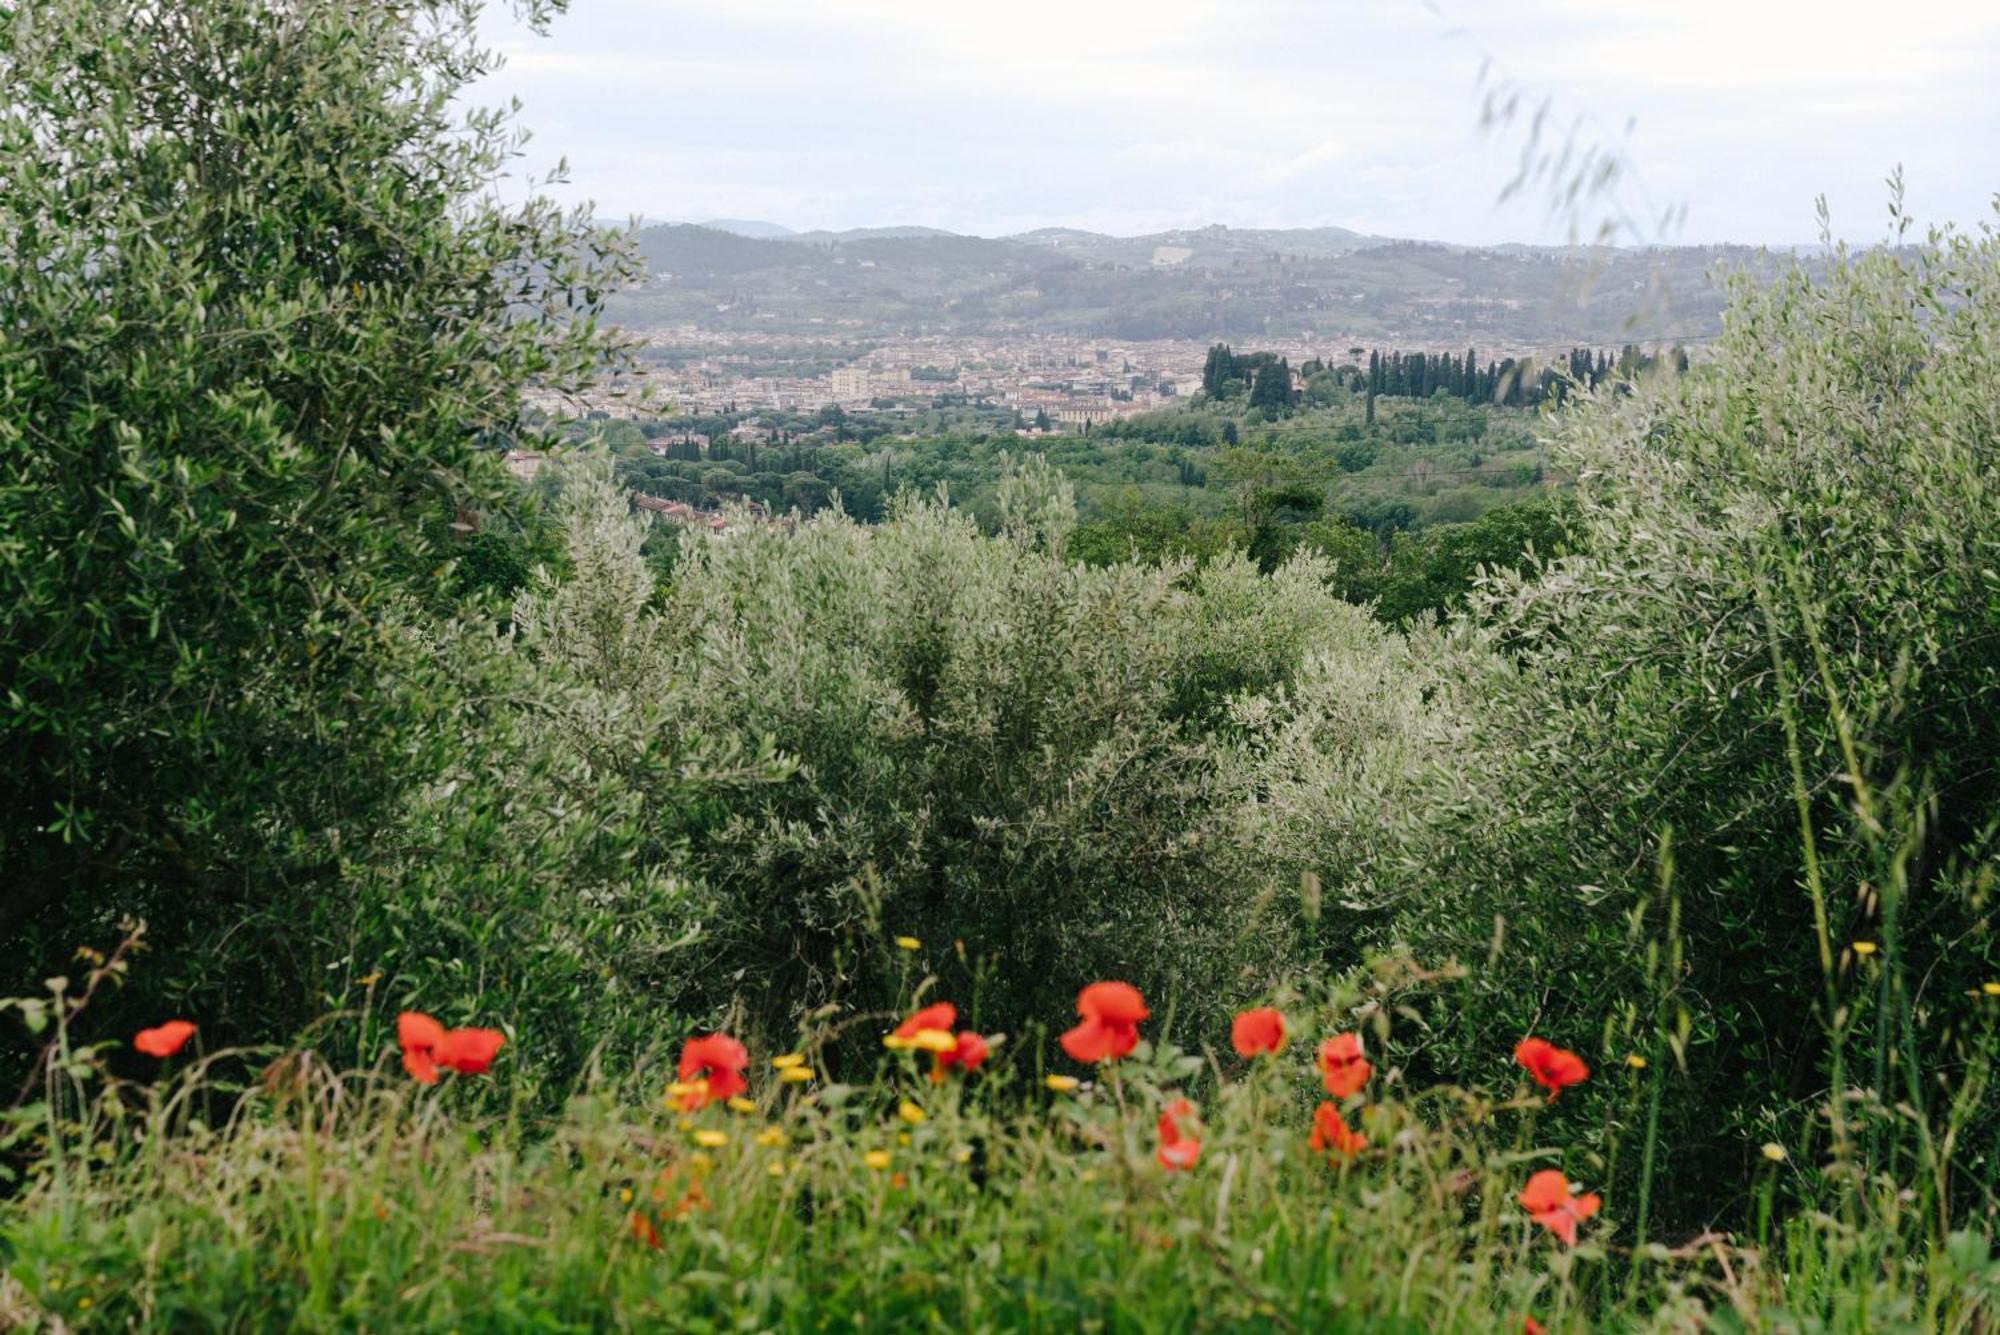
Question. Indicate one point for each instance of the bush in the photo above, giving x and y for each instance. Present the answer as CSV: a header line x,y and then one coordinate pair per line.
x,y
265,323
1431,571
998,746
1777,642
537,875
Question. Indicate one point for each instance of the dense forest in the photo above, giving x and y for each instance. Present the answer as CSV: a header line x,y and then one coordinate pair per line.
x,y
1210,873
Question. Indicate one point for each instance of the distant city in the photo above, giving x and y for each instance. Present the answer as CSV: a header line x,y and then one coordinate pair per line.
x,y
1070,382
1072,328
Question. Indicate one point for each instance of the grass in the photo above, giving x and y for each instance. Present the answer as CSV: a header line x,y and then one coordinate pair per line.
x,y
323,1200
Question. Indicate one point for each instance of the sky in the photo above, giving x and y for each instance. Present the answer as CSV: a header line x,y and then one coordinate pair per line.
x,y
1134,116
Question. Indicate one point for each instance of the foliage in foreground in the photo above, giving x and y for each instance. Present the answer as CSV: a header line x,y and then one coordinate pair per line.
x,y
262,321
1772,662
1710,797
989,1199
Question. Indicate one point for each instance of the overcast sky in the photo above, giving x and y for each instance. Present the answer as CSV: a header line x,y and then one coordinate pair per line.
x,y
1128,116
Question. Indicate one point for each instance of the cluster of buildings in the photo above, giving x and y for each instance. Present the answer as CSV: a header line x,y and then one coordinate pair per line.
x,y
1068,383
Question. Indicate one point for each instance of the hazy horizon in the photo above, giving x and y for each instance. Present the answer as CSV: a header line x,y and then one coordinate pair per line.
x,y
1129,118
894,225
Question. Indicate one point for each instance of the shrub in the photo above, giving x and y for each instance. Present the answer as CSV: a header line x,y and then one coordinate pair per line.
x,y
1430,572
536,874
263,323
1776,642
995,745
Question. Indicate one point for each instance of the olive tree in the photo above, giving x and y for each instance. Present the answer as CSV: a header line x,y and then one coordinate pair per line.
x,y
264,328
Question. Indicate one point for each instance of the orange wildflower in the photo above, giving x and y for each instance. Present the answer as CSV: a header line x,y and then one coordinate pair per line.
x,y
642,1229
1180,1146
711,1068
1554,1069
966,1056
1547,1200
1341,1065
1256,1032
428,1045
1332,1136
1111,1013
164,1040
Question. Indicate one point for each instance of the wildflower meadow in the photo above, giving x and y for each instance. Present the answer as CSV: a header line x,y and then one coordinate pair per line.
x,y
439,899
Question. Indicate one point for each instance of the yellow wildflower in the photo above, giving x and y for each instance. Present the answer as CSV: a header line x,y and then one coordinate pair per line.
x,y
711,1140
1774,1151
1990,989
961,1155
795,1075
1061,1084
910,1112
788,1061
935,1040
772,1137
1865,947
1636,1062
876,1159
908,943
624,1195
776,1168
742,1105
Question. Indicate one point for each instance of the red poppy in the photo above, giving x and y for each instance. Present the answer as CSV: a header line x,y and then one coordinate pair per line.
x,y
1548,1200
643,1230
1255,1032
1530,1326
1111,1013
966,1057
468,1051
164,1040
712,1068
1553,1068
938,1015
1180,1147
1331,1135
1342,1066
418,1035
428,1045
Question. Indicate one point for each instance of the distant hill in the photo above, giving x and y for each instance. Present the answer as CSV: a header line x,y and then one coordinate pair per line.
x,y
1201,283
874,234
763,231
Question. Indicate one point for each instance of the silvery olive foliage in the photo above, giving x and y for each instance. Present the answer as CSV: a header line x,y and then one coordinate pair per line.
x,y
1069,770
1770,665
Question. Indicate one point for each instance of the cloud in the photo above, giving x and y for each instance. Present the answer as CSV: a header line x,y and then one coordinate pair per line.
x,y
984,117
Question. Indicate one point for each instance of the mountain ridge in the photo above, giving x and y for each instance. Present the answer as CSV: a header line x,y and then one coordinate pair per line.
x,y
1212,282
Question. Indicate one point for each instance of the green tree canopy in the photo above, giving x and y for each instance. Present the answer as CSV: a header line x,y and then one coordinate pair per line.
x,y
263,331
